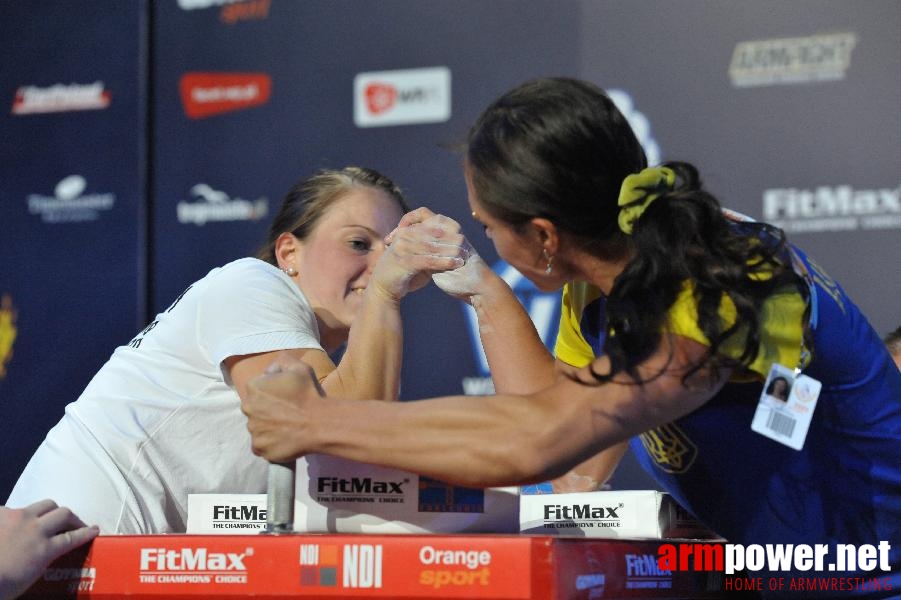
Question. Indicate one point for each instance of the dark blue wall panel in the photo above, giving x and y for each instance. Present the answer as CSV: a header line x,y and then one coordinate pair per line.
x,y
71,205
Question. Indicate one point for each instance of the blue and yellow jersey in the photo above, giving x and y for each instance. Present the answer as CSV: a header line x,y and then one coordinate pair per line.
x,y
842,487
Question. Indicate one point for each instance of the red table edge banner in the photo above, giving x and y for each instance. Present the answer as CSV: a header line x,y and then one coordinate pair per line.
x,y
353,566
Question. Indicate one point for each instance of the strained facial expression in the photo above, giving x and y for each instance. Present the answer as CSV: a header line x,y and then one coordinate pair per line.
x,y
337,258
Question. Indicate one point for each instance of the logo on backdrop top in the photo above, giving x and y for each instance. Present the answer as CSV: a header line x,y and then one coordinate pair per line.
x,y
32,99
792,60
232,10
402,97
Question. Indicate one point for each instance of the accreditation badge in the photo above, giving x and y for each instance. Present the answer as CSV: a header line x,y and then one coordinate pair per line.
x,y
786,406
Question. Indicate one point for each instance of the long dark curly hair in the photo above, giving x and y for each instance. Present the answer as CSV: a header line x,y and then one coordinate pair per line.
x,y
558,148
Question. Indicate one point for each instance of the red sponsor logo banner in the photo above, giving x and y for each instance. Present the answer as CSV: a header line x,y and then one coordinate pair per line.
x,y
208,94
296,566
371,566
245,11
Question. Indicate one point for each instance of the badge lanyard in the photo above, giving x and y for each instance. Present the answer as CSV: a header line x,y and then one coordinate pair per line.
x,y
787,402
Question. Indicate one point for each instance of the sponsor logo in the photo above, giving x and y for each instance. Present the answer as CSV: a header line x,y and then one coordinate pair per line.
x,y
31,99
585,515
543,308
644,573
839,208
192,565
242,516
216,206
456,567
69,203
208,94
791,60
437,496
231,11
8,331
357,566
360,490
638,122
402,97
78,579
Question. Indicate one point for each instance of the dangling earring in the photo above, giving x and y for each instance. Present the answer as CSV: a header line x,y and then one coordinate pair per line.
x,y
290,271
550,262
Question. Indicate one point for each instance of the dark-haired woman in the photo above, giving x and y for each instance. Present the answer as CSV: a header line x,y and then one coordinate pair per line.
x,y
674,314
161,419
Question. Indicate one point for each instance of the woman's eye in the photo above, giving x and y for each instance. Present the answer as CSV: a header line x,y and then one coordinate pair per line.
x,y
359,245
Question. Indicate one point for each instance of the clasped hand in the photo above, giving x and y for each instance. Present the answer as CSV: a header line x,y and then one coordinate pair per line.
x,y
423,244
464,278
278,409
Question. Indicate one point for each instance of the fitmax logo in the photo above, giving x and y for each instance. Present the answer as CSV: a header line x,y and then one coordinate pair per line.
x,y
580,511
191,559
238,513
358,485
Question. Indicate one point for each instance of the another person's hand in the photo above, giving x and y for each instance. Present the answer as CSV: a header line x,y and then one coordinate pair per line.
x,y
423,243
276,408
465,280
33,537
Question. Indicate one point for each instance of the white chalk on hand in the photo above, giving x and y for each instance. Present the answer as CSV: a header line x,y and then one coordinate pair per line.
x,y
462,281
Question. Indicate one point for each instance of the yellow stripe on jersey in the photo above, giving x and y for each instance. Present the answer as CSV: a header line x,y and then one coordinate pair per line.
x,y
782,318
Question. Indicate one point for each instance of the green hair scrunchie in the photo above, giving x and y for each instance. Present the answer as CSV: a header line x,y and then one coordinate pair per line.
x,y
639,190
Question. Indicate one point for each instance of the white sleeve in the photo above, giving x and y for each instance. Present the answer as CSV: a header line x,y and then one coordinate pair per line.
x,y
248,307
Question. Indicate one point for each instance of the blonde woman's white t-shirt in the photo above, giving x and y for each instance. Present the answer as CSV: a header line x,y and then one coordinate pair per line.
x,y
160,420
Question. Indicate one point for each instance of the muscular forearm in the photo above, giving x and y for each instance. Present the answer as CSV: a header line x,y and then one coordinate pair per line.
x,y
371,364
479,442
519,361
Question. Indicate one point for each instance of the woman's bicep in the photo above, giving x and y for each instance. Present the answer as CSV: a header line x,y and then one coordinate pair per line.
x,y
595,413
241,369
668,387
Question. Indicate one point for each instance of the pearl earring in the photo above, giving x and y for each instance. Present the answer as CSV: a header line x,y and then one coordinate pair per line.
x,y
290,271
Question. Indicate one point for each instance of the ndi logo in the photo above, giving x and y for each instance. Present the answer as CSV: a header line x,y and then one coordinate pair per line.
x,y
359,565
543,308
